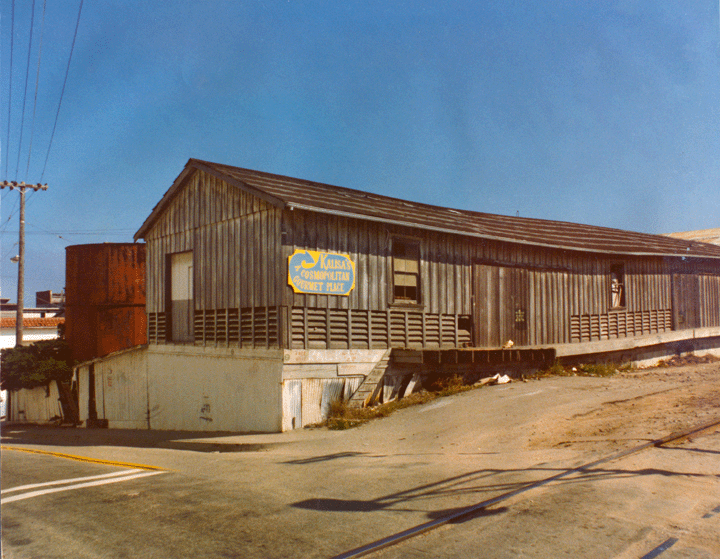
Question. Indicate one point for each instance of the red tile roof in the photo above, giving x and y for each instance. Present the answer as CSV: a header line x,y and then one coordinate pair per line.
x,y
32,322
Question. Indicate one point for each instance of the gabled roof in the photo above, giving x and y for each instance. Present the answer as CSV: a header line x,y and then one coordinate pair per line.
x,y
283,192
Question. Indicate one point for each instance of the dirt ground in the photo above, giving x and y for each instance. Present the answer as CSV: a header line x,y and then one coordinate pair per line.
x,y
627,508
685,393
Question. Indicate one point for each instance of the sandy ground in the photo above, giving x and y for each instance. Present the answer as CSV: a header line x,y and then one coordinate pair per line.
x,y
678,398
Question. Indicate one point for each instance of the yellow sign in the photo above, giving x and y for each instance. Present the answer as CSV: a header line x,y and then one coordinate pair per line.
x,y
321,273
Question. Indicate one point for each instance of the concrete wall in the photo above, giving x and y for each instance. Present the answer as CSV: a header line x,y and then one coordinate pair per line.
x,y
186,388
214,389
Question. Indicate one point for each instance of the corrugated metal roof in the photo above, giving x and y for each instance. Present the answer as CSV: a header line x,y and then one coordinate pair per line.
x,y
308,195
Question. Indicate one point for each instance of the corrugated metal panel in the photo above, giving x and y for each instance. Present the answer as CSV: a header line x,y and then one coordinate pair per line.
x,y
292,405
37,405
351,386
317,396
391,388
283,191
312,391
332,392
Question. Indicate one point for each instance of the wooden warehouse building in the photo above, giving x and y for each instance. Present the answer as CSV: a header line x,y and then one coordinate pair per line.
x,y
268,296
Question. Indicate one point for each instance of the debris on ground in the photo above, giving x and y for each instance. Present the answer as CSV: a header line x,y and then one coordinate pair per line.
x,y
497,379
689,359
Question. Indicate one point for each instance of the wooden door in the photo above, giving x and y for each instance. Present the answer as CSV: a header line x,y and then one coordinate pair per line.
x,y
501,298
686,301
181,297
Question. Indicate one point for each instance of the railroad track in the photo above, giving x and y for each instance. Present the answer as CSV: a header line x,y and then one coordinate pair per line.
x,y
420,529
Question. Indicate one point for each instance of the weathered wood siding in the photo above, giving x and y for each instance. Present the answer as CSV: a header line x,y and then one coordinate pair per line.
x,y
234,237
569,302
472,291
445,265
531,295
367,317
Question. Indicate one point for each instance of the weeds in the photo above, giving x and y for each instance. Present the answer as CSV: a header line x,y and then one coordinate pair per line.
x,y
342,416
557,369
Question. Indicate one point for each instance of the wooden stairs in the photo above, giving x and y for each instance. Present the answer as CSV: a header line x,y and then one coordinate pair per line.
x,y
369,389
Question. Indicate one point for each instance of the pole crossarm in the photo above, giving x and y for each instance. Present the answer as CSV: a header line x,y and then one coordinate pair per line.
x,y
12,185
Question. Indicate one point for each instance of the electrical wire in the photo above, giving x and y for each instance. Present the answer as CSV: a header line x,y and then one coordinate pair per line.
x,y
37,82
12,42
13,211
67,71
27,77
41,231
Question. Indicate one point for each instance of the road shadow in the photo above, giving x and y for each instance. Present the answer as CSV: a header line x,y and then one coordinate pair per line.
x,y
198,441
489,486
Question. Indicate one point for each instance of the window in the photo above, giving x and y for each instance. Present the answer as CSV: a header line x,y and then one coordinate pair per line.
x,y
617,286
406,271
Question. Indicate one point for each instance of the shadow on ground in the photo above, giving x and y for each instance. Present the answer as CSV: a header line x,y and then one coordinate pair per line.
x,y
198,441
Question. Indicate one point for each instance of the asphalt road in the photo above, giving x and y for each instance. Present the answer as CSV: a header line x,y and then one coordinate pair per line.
x,y
318,493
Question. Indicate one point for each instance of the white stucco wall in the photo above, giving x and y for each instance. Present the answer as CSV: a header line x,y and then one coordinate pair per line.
x,y
7,335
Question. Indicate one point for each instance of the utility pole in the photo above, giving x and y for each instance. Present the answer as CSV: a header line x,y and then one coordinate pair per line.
x,y
22,187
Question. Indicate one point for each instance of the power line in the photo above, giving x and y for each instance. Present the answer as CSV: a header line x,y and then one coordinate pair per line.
x,y
37,83
27,77
12,42
12,214
67,71
41,231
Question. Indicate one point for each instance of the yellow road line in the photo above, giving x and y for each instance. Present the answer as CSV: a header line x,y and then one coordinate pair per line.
x,y
81,458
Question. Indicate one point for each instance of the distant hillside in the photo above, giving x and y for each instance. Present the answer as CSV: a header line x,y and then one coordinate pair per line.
x,y
711,236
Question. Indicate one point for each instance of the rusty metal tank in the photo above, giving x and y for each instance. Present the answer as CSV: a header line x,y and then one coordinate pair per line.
x,y
104,298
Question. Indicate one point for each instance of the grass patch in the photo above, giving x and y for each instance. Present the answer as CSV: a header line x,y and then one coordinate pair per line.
x,y
557,369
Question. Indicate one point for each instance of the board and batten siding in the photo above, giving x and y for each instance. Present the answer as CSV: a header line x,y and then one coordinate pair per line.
x,y
564,296
568,300
234,237
367,317
445,263
470,289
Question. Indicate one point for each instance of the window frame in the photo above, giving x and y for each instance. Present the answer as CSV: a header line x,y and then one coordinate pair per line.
x,y
393,286
617,270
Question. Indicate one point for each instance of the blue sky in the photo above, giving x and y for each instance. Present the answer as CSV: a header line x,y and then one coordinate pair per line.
x,y
600,112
